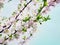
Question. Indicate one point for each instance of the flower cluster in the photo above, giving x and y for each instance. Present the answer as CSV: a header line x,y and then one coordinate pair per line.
x,y
23,22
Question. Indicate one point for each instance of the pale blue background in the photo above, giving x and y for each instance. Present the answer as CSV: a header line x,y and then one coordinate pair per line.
x,y
49,32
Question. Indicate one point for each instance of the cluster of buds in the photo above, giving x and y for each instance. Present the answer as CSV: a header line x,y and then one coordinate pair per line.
x,y
23,22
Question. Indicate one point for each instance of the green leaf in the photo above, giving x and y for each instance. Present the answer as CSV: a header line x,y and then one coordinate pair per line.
x,y
45,2
13,13
26,19
38,17
24,37
10,36
46,18
24,4
39,10
19,5
30,34
16,35
0,35
24,29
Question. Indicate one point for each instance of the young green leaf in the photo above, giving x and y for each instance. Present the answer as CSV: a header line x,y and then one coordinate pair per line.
x,y
10,36
45,2
38,17
26,19
24,29
19,5
46,18
16,35
24,37
0,35
30,34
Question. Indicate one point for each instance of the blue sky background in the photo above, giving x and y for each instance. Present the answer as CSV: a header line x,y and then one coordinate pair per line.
x,y
48,33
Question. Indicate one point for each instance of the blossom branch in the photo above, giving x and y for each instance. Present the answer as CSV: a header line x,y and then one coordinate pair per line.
x,y
15,17
26,24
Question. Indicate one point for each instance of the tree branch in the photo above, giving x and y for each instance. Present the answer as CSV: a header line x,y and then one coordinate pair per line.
x,y
16,16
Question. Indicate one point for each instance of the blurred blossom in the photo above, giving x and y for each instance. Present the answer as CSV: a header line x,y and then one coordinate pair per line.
x,y
57,1
1,40
2,1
